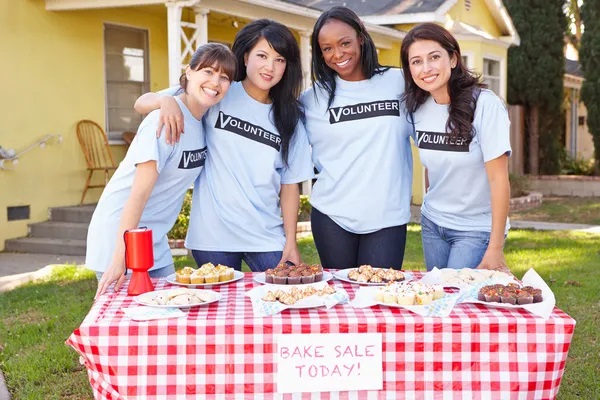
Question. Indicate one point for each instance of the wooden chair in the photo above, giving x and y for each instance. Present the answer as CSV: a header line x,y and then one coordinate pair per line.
x,y
96,150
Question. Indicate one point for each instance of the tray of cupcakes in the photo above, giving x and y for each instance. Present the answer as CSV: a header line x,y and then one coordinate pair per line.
x,y
291,274
207,275
531,293
369,276
420,298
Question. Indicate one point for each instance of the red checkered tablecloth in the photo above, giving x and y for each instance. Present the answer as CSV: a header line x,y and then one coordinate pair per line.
x,y
223,351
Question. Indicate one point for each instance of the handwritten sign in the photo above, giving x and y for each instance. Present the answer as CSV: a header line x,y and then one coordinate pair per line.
x,y
329,362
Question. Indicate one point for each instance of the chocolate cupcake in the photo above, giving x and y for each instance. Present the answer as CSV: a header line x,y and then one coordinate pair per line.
x,y
524,297
307,276
269,275
294,277
508,297
536,293
492,295
280,277
318,272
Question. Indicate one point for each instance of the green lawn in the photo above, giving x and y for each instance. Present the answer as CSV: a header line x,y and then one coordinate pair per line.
x,y
36,319
575,210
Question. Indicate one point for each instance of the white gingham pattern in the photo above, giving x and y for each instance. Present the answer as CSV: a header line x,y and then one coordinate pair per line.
x,y
223,351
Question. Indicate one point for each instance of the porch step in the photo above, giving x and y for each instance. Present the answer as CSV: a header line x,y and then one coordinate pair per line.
x,y
46,245
59,230
82,214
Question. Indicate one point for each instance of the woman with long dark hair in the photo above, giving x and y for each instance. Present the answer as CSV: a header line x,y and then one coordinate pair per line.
x,y
257,154
462,131
360,147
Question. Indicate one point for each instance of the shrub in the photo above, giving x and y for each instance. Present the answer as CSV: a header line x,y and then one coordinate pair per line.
x,y
305,207
180,228
576,166
519,185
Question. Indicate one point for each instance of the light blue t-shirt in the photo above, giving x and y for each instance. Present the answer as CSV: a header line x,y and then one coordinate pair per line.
x,y
361,150
458,196
178,166
235,205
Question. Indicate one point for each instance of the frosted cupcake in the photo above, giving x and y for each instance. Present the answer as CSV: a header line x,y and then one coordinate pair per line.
x,y
183,275
438,292
269,275
212,277
406,298
294,277
196,278
280,277
423,297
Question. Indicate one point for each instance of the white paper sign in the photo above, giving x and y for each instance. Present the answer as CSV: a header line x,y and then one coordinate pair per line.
x,y
329,362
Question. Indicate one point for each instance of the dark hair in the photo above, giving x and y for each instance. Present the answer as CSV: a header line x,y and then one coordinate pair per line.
x,y
211,55
287,111
369,62
463,86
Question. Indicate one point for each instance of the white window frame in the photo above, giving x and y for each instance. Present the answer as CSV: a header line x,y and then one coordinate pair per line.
x,y
469,57
114,136
502,67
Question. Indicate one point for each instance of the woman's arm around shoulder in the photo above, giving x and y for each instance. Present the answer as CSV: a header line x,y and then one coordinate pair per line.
x,y
171,116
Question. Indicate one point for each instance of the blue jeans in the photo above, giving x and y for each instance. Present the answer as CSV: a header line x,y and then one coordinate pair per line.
x,y
258,261
341,249
449,248
155,273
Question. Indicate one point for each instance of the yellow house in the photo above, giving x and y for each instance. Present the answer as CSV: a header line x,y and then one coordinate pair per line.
x,y
68,60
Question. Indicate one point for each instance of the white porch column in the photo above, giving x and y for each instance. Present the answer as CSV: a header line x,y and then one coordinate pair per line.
x,y
201,36
174,42
305,58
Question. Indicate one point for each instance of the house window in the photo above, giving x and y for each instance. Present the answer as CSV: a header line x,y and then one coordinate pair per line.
x,y
126,72
491,75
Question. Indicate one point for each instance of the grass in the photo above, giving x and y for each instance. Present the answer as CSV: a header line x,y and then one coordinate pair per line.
x,y
575,210
36,319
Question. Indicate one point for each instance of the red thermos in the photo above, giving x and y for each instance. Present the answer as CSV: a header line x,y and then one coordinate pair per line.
x,y
139,257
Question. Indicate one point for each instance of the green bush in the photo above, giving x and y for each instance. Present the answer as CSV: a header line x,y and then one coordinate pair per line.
x,y
304,209
180,228
576,166
519,185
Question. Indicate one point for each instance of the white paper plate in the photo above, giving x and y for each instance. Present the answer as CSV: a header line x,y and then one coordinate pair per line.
x,y
145,298
435,276
342,275
260,278
237,275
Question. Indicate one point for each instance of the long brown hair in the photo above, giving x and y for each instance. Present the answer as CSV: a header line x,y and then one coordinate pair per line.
x,y
463,87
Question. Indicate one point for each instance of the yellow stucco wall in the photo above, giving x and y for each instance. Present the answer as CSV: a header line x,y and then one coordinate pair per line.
x,y
52,73
478,16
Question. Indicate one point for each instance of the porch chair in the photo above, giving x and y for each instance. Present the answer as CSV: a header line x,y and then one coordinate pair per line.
x,y
96,150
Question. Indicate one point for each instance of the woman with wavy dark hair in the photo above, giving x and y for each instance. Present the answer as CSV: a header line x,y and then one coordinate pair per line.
x,y
258,152
462,131
360,147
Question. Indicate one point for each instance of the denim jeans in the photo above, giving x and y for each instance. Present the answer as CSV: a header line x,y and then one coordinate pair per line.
x,y
258,261
449,248
155,273
341,249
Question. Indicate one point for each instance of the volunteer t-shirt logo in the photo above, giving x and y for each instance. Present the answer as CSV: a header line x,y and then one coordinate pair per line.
x,y
364,111
191,159
247,130
441,142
